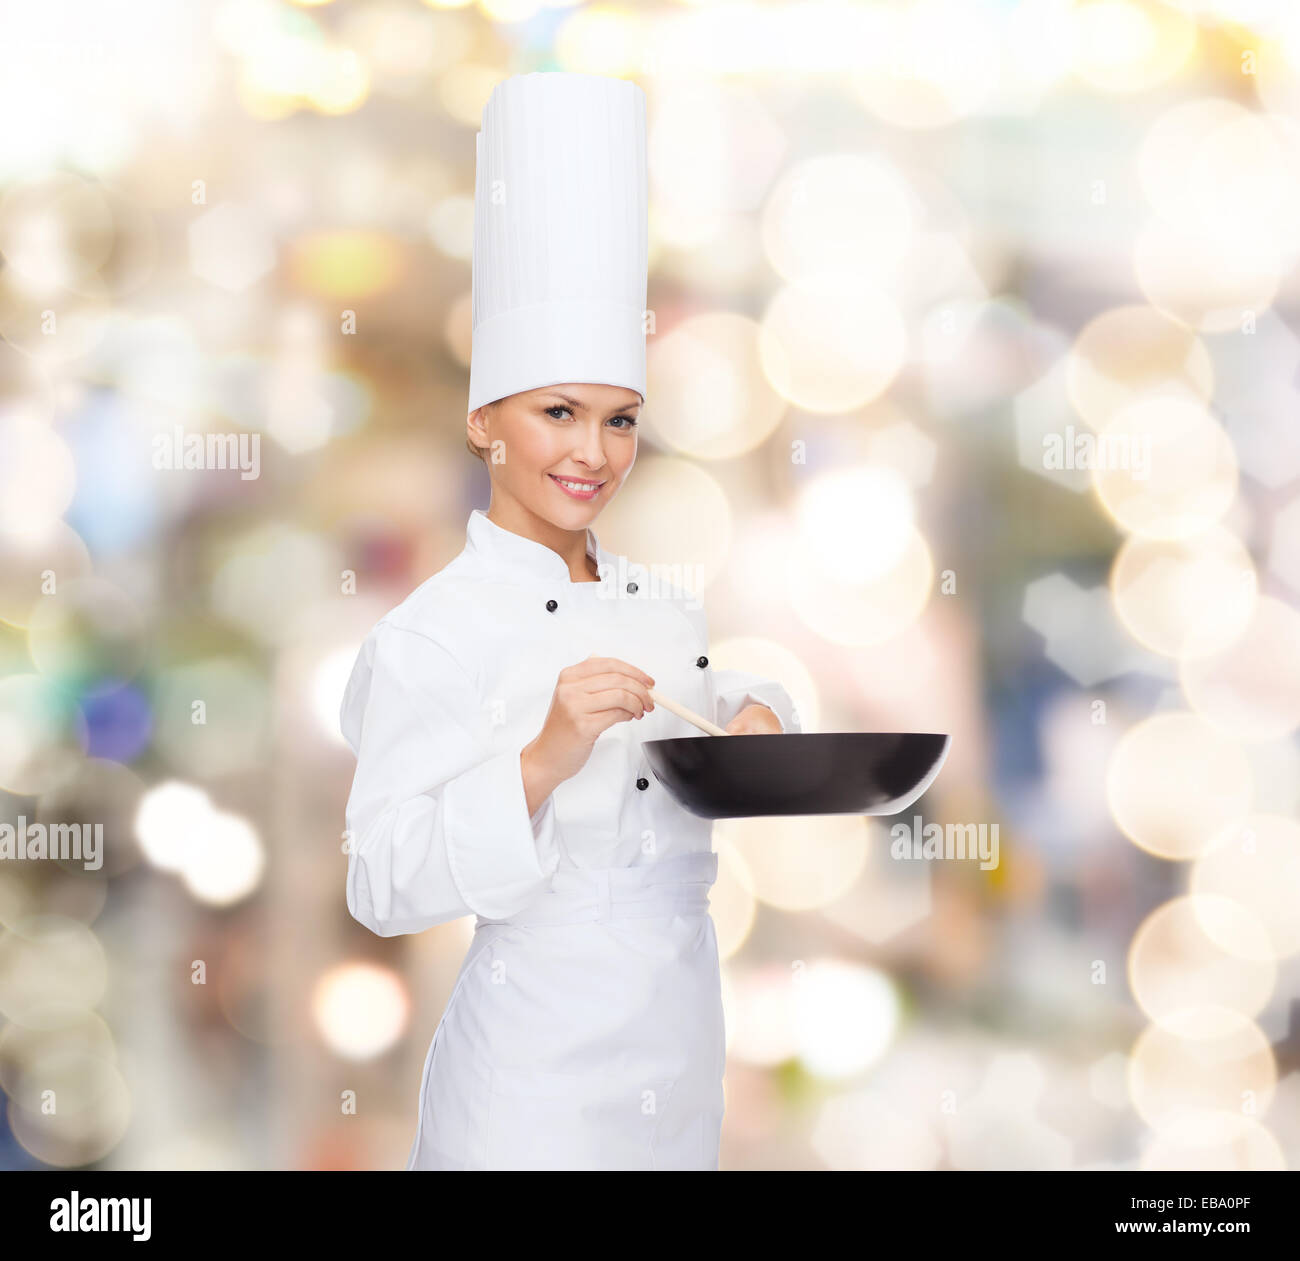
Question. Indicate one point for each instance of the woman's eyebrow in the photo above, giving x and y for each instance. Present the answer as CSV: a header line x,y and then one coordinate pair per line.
x,y
581,407
572,402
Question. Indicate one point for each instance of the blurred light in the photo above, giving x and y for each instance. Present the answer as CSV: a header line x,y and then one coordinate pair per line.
x,y
831,351
1284,555
223,861
507,11
1172,472
1131,353
845,1016
1124,46
400,42
463,91
211,717
1219,171
451,226
118,723
888,899
49,959
905,449
713,149
340,81
796,864
74,1138
59,1030
55,231
842,218
329,682
865,1130
709,397
858,615
1176,970
1174,782
1214,1140
30,561
856,523
934,61
1169,260
37,475
673,514
346,265
732,907
106,79
1277,65
1174,1079
1185,597
107,793
273,571
169,815
117,501
89,636
760,1020
1251,687
42,735
231,246
1084,637
998,1128
601,39
1255,862
360,1009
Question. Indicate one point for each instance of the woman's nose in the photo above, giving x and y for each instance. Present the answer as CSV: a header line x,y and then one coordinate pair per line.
x,y
590,450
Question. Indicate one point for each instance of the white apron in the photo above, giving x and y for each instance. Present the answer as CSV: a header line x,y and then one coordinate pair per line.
x,y
585,1029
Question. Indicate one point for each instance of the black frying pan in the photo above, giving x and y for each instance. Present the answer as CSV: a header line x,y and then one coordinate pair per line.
x,y
737,777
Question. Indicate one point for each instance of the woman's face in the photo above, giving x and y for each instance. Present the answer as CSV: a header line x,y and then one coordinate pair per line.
x,y
581,434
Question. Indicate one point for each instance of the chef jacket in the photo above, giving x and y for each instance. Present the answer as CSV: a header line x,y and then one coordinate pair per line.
x,y
585,1028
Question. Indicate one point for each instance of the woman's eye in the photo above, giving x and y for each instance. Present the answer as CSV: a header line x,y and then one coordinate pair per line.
x,y
630,422
556,408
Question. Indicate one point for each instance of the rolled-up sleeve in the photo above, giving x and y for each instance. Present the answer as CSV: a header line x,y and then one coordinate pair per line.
x,y
437,818
737,689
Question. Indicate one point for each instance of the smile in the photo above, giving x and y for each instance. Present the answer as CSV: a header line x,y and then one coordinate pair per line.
x,y
577,490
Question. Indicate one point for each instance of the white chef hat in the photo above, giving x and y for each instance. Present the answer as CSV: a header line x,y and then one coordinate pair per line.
x,y
559,283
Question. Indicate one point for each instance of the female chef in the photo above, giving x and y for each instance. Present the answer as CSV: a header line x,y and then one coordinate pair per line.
x,y
498,713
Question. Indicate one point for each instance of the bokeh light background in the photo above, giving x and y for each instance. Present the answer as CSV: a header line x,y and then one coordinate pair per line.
x,y
897,251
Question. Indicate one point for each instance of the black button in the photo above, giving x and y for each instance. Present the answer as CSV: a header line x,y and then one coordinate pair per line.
x,y
643,783
702,662
551,606
631,588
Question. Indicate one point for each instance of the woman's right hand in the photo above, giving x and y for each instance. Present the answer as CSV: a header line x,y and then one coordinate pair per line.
x,y
589,698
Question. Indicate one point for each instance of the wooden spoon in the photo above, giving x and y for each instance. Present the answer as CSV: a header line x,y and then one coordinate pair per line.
x,y
710,728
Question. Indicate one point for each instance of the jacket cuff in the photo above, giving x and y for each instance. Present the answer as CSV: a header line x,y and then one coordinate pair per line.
x,y
500,858
751,690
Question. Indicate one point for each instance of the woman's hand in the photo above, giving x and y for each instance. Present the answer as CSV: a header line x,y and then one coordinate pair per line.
x,y
755,720
589,698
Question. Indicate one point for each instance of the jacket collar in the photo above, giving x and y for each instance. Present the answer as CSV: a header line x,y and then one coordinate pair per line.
x,y
518,559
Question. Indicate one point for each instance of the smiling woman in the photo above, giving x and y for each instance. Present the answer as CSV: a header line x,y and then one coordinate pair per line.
x,y
561,454
499,713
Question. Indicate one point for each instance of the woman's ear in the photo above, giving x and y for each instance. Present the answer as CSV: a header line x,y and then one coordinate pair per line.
x,y
476,433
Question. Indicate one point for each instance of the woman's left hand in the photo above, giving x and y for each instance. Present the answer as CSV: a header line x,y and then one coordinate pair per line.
x,y
754,720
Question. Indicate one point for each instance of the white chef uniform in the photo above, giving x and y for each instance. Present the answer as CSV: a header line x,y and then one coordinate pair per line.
x,y
585,1029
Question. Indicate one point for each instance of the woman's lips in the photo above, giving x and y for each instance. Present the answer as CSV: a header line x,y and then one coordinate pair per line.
x,y
591,492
